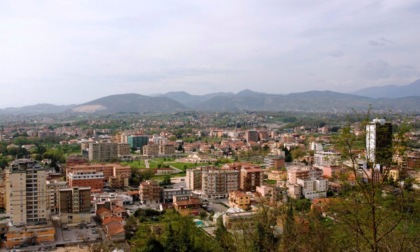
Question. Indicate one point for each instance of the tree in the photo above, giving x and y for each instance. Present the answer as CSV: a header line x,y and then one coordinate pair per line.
x,y
166,180
365,217
152,245
223,237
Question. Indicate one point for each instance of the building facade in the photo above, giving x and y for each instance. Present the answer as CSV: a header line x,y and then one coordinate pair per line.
x,y
27,198
137,142
379,142
150,192
74,207
92,178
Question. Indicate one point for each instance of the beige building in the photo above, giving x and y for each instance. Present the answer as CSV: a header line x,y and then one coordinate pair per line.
x,y
150,192
250,177
217,183
105,152
151,150
115,174
167,149
2,194
27,198
239,199
123,149
74,205
53,188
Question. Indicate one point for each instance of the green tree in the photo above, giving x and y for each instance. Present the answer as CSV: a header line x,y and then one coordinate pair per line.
x,y
223,237
152,245
365,217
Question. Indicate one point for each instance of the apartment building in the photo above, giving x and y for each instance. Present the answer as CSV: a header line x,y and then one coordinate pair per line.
x,y
217,183
379,142
105,152
150,192
27,203
250,175
89,178
123,149
307,182
74,205
114,174
295,172
250,178
193,178
167,149
251,136
27,199
169,193
313,187
2,194
274,161
53,188
239,199
326,158
151,150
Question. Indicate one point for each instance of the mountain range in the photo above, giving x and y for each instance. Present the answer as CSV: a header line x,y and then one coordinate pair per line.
x,y
388,98
391,91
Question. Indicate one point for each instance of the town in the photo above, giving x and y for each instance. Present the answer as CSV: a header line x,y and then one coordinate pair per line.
x,y
219,181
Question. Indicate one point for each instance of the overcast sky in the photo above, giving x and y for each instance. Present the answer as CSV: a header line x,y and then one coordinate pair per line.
x,y
70,52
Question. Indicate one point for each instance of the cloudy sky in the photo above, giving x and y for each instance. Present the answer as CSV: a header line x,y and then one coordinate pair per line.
x,y
67,52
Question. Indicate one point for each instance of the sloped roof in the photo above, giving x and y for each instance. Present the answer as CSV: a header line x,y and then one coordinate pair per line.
x,y
111,219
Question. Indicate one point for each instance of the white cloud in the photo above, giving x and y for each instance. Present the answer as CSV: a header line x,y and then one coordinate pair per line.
x,y
72,51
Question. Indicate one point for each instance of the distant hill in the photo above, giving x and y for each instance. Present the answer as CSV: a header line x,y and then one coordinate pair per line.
x,y
247,100
312,101
129,103
189,100
391,91
43,108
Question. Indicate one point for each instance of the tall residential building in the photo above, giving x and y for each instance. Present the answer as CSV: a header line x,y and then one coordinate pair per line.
x,y
103,152
27,198
193,178
274,161
379,142
151,150
150,192
74,205
167,149
251,136
123,149
250,178
137,141
217,183
53,187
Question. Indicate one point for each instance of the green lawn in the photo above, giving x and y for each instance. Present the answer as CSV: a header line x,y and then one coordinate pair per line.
x,y
135,164
184,166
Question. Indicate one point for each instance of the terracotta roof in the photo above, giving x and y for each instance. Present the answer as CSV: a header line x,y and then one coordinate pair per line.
x,y
111,219
188,202
119,209
114,228
103,210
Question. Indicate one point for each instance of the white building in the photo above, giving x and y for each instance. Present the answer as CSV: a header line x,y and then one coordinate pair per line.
x,y
326,158
379,142
316,146
313,188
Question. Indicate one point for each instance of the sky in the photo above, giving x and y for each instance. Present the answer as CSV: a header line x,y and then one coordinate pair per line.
x,y
71,52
